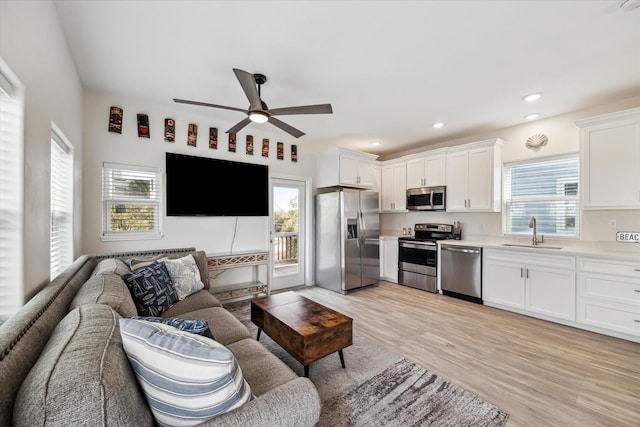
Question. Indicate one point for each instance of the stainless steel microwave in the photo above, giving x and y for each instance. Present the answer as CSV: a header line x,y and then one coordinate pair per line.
x,y
426,198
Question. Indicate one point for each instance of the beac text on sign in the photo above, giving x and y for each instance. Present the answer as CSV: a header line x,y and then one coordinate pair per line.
x,y
628,236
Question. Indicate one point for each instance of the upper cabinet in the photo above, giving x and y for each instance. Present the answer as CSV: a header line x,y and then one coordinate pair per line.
x,y
426,171
473,177
610,160
393,193
342,167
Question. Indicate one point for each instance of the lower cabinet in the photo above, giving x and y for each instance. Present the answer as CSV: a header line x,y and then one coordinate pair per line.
x,y
389,259
541,284
609,294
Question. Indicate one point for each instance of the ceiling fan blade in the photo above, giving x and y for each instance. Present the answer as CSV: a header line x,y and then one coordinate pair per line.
x,y
248,83
205,104
285,127
304,109
239,126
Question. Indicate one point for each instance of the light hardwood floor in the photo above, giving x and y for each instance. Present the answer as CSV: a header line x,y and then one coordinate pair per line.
x,y
541,373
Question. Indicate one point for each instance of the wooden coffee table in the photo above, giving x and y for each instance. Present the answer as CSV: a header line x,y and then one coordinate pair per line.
x,y
308,331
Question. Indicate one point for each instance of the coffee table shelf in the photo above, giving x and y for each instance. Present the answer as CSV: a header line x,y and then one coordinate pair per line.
x,y
225,261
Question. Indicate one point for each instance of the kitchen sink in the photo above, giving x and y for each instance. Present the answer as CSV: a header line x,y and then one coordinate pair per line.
x,y
519,245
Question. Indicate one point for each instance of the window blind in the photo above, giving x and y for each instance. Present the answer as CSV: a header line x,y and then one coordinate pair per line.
x,y
131,201
11,194
61,234
546,189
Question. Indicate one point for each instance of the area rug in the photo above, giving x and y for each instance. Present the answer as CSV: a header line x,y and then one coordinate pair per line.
x,y
380,388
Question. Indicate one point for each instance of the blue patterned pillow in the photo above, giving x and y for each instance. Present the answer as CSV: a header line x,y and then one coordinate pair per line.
x,y
198,326
187,379
151,289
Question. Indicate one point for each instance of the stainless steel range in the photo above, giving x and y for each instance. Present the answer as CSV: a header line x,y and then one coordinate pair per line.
x,y
418,256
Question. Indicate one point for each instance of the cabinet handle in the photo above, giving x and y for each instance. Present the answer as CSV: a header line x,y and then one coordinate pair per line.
x,y
636,269
521,272
636,290
637,320
527,273
469,202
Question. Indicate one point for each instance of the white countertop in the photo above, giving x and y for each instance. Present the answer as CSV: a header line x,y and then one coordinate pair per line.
x,y
621,251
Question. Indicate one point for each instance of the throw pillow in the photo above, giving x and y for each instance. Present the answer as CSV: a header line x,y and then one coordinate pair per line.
x,y
151,289
197,326
137,263
187,379
185,275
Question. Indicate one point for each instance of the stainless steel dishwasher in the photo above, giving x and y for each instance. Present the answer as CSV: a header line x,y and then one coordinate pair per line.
x,y
461,272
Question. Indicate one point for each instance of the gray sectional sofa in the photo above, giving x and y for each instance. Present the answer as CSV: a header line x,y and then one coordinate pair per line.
x,y
62,361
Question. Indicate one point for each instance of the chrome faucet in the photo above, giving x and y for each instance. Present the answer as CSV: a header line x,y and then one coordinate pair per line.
x,y
532,224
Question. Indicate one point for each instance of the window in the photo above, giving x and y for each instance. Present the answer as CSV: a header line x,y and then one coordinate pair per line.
x,y
546,189
11,192
131,197
61,233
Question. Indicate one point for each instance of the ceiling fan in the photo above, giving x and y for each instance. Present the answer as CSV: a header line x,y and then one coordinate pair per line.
x,y
258,111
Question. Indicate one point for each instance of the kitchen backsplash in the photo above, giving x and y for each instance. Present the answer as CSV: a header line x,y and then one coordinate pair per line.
x,y
596,225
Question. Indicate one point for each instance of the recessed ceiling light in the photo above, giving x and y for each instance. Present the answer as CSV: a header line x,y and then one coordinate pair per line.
x,y
532,97
532,116
438,125
375,143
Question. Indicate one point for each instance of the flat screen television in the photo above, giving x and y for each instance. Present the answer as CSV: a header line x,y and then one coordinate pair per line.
x,y
201,186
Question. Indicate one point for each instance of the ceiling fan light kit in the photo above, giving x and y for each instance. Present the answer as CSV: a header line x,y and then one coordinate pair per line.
x,y
258,112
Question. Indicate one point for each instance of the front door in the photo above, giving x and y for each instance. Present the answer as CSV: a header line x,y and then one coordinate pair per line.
x,y
288,232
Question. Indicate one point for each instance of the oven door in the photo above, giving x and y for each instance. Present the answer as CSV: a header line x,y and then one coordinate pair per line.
x,y
418,257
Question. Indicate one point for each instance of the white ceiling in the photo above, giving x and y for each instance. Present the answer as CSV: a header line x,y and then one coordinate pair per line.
x,y
390,69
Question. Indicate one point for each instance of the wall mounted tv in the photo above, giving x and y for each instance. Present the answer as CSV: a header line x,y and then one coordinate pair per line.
x,y
201,186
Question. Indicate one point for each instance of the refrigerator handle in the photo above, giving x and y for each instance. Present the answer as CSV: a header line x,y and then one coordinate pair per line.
x,y
363,228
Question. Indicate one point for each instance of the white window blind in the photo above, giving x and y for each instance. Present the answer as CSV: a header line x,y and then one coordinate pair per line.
x,y
132,197
11,193
61,234
546,189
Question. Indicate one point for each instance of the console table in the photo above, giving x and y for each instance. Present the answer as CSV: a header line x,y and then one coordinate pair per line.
x,y
225,261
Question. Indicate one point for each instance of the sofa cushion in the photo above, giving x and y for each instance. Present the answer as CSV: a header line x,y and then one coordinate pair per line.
x,y
111,266
195,326
196,301
185,275
151,289
106,289
224,325
187,378
262,369
83,376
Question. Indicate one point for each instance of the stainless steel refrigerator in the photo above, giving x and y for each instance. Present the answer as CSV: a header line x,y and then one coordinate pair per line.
x,y
347,232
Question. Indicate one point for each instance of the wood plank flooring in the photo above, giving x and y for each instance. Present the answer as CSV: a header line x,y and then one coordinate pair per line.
x,y
541,373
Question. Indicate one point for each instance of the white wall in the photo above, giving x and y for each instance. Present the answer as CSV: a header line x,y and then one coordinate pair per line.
x,y
564,138
33,45
212,234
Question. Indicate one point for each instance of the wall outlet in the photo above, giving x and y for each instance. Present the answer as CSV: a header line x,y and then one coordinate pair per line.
x,y
480,227
613,223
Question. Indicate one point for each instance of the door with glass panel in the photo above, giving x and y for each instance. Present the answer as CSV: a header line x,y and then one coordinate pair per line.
x,y
288,232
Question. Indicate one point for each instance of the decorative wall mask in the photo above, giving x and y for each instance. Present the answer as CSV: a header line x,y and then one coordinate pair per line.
x,y
537,141
115,119
169,130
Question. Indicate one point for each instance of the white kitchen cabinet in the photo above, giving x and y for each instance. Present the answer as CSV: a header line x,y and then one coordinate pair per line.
x,y
389,259
427,171
342,167
531,283
610,160
609,294
473,177
393,193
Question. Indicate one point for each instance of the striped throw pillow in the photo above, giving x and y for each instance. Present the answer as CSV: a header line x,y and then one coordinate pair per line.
x,y
187,378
